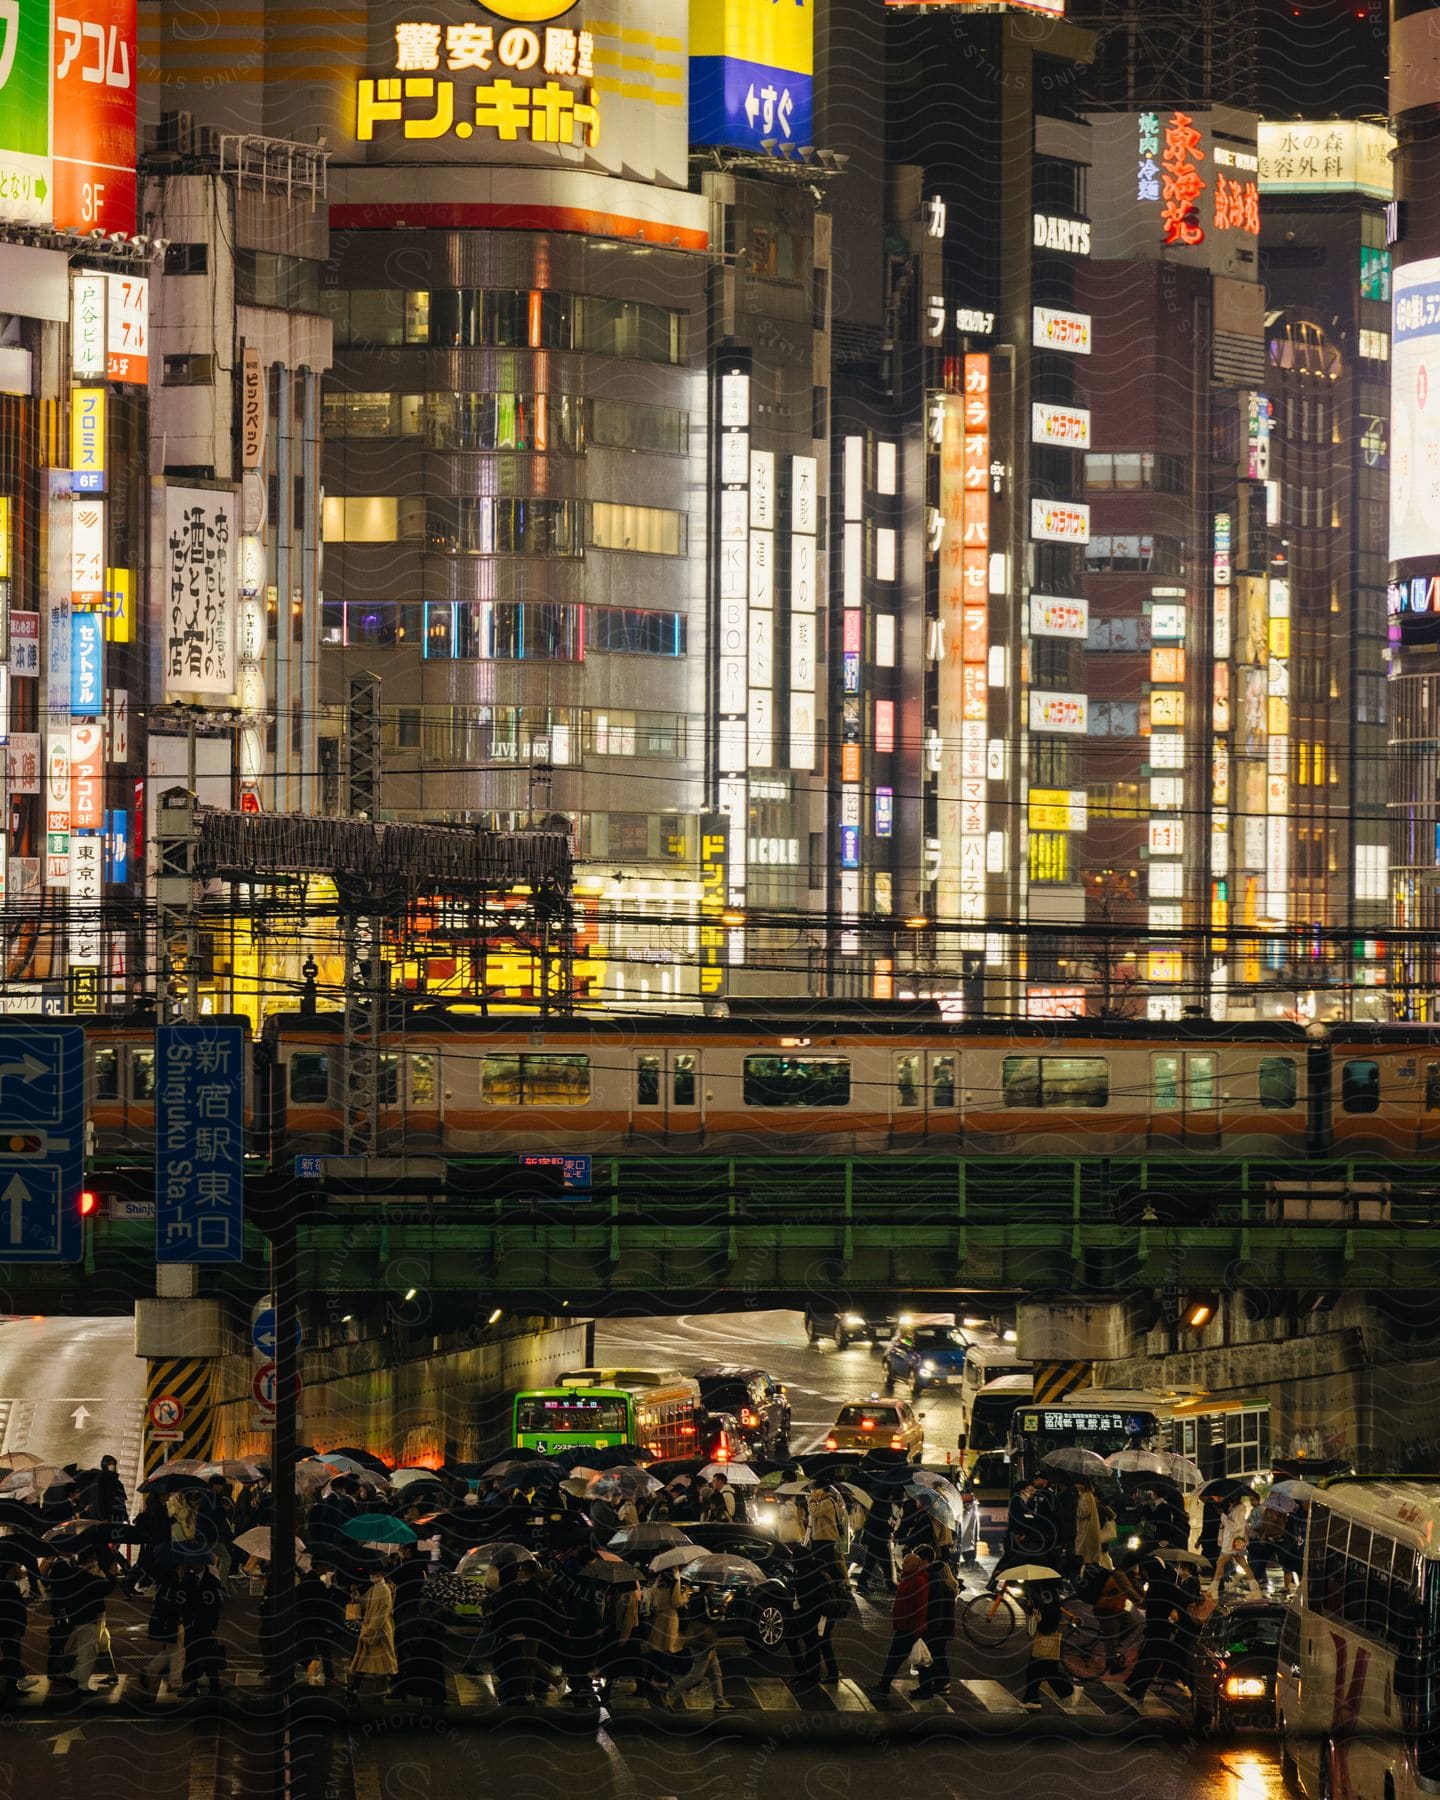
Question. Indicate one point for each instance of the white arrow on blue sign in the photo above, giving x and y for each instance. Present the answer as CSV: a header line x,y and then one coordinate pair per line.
x,y
42,1116
262,1332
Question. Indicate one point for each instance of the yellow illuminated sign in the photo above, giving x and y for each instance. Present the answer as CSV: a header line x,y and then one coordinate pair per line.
x,y
529,11
428,108
1056,809
755,32
87,439
119,590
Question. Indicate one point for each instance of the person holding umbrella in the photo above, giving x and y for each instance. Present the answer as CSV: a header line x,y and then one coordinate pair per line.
x,y
110,1499
662,1642
875,1546
200,1604
940,1597
163,1629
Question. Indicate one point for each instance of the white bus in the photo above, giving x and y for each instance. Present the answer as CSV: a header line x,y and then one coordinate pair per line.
x,y
985,1363
1358,1690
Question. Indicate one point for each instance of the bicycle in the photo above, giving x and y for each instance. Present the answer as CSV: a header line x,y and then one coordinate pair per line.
x,y
990,1619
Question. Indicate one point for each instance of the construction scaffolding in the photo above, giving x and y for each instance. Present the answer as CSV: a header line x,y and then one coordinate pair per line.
x,y
1163,53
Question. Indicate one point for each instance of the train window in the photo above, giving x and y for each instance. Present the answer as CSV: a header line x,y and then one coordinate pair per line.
x,y
1187,1080
107,1073
647,1081
797,1081
535,1080
942,1081
1432,1087
310,1077
423,1086
142,1074
389,1081
907,1080
1360,1087
1277,1083
1058,1081
682,1080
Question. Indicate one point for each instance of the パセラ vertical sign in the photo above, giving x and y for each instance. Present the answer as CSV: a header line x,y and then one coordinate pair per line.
x,y
199,1143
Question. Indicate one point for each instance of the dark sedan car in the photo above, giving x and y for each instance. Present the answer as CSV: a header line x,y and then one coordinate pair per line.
x,y
1233,1678
756,1615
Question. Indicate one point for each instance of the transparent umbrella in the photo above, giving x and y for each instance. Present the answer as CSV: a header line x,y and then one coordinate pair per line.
x,y
1069,1459
737,1474
657,1536
623,1483
1178,1469
475,1563
932,1502
730,1569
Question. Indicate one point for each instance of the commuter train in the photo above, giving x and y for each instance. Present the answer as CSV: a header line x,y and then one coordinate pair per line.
x,y
796,1079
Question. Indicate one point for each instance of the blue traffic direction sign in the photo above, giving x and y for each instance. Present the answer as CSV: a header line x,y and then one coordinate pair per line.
x,y
199,1143
262,1331
42,1142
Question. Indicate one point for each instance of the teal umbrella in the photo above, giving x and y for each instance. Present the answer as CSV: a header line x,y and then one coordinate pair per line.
x,y
378,1528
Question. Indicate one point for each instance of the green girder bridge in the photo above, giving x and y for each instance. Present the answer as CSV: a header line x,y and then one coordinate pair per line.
x,y
677,1233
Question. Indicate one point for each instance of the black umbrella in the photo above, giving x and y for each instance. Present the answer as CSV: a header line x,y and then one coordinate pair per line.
x,y
15,1512
671,1470
512,1453
172,1484
532,1475
1225,1487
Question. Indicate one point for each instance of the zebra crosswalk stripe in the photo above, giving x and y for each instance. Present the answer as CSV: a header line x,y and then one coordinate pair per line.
x,y
992,1697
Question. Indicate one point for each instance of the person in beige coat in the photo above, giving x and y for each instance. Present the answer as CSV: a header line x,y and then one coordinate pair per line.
x,y
375,1652
1087,1524
662,1640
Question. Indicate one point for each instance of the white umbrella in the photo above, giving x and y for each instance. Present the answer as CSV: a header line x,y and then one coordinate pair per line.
x,y
737,1474
1070,1459
1178,1469
401,1478
675,1557
932,1478
1028,1572
233,1469
790,1488
257,1542
707,1567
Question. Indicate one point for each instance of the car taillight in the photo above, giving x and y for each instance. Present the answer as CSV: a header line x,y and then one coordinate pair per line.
x,y
722,1449
687,1431
897,1443
867,1424
832,1444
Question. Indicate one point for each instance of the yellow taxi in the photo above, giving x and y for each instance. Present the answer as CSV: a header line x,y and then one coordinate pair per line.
x,y
876,1424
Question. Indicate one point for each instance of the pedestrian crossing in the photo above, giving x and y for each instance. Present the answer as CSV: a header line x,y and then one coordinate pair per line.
x,y
767,1694
967,1697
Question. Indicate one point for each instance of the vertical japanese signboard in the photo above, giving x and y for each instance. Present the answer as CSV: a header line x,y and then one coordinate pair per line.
x,y
804,482
199,595
87,440
974,642
25,168
199,1143
94,115
67,113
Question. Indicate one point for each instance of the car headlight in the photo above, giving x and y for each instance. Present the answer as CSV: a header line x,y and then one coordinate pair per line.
x,y
927,1368
1132,1543
907,1319
1245,1687
852,1320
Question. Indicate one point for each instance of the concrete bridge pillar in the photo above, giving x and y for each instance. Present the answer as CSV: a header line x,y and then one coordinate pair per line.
x,y
1064,1337
182,1342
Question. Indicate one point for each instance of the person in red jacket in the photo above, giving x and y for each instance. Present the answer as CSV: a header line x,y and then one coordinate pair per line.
x,y
908,1613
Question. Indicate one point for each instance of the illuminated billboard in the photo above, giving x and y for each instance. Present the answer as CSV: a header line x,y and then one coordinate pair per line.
x,y
67,114
1326,156
751,68
1415,412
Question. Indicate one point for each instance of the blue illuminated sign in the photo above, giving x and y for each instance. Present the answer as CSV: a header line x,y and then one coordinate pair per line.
x,y
199,1143
884,812
87,664
849,846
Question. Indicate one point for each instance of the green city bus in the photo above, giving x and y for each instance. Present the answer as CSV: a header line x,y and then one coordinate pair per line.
x,y
658,1412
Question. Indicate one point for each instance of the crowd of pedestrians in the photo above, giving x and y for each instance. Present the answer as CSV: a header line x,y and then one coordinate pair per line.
x,y
577,1594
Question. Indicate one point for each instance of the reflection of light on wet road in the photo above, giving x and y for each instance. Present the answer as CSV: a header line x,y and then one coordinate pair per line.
x,y
1249,1775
